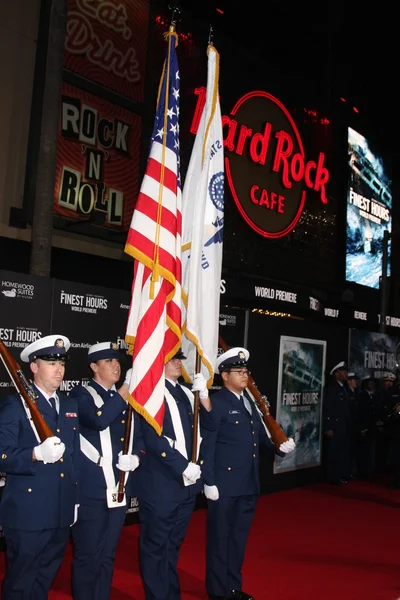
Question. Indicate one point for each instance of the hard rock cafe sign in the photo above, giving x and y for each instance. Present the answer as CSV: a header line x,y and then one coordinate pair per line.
x,y
266,168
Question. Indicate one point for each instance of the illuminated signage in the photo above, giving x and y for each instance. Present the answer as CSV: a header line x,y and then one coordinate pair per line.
x,y
275,294
97,160
360,316
391,321
331,312
369,204
315,304
266,167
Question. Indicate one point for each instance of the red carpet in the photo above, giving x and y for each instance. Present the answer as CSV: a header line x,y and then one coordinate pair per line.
x,y
318,542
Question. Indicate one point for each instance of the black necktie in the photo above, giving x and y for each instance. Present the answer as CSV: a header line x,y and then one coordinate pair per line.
x,y
53,406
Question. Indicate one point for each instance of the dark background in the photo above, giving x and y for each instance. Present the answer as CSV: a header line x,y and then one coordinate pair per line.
x,y
309,55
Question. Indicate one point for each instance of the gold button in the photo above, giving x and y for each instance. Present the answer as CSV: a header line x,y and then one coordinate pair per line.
x,y
201,462
74,428
122,439
163,454
255,444
122,421
254,455
229,468
61,459
3,456
237,422
29,489
252,432
98,413
251,422
61,474
58,430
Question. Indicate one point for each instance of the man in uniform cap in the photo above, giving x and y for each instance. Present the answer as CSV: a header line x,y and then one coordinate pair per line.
x,y
102,418
230,447
39,502
338,427
170,482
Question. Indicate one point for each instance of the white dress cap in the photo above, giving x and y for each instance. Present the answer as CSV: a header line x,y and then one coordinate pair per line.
x,y
50,347
339,367
232,357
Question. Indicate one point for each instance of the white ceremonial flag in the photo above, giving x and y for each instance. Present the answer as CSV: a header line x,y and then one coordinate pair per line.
x,y
202,230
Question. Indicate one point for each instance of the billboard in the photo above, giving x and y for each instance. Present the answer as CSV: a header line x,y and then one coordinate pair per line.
x,y
260,132
97,173
107,43
369,211
372,354
299,400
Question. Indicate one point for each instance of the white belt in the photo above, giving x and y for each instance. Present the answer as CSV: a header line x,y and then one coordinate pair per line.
x,y
105,459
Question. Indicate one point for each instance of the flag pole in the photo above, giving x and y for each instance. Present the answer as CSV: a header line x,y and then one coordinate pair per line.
x,y
198,362
196,402
196,408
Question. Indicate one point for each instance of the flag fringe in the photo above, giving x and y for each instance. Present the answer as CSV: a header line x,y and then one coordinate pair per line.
x,y
143,412
190,336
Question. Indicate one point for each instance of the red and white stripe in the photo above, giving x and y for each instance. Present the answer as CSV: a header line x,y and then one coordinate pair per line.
x,y
154,324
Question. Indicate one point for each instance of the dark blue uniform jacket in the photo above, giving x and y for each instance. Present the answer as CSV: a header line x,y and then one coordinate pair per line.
x,y
38,496
92,420
230,445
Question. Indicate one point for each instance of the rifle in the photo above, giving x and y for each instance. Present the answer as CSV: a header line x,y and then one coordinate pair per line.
x,y
276,433
27,392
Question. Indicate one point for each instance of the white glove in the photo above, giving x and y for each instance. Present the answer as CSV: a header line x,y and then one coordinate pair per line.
x,y
128,376
49,451
192,473
288,446
200,385
211,492
127,462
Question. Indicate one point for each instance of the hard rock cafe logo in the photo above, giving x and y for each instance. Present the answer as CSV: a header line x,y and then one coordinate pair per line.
x,y
266,168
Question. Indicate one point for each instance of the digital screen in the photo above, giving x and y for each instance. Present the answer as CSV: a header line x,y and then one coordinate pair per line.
x,y
369,211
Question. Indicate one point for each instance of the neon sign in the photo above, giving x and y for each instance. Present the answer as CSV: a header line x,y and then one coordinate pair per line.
x,y
265,164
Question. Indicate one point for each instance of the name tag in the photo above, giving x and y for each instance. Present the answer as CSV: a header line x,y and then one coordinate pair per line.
x,y
234,412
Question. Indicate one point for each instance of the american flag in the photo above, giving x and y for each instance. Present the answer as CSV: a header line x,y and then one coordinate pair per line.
x,y
154,240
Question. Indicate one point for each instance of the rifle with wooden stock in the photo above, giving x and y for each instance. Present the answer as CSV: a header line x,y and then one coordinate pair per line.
x,y
278,436
27,392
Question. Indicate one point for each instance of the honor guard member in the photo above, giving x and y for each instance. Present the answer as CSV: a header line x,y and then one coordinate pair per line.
x,y
338,427
39,502
169,484
102,418
231,459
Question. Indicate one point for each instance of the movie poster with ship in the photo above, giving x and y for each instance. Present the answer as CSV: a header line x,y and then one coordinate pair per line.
x,y
299,400
369,210
373,354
